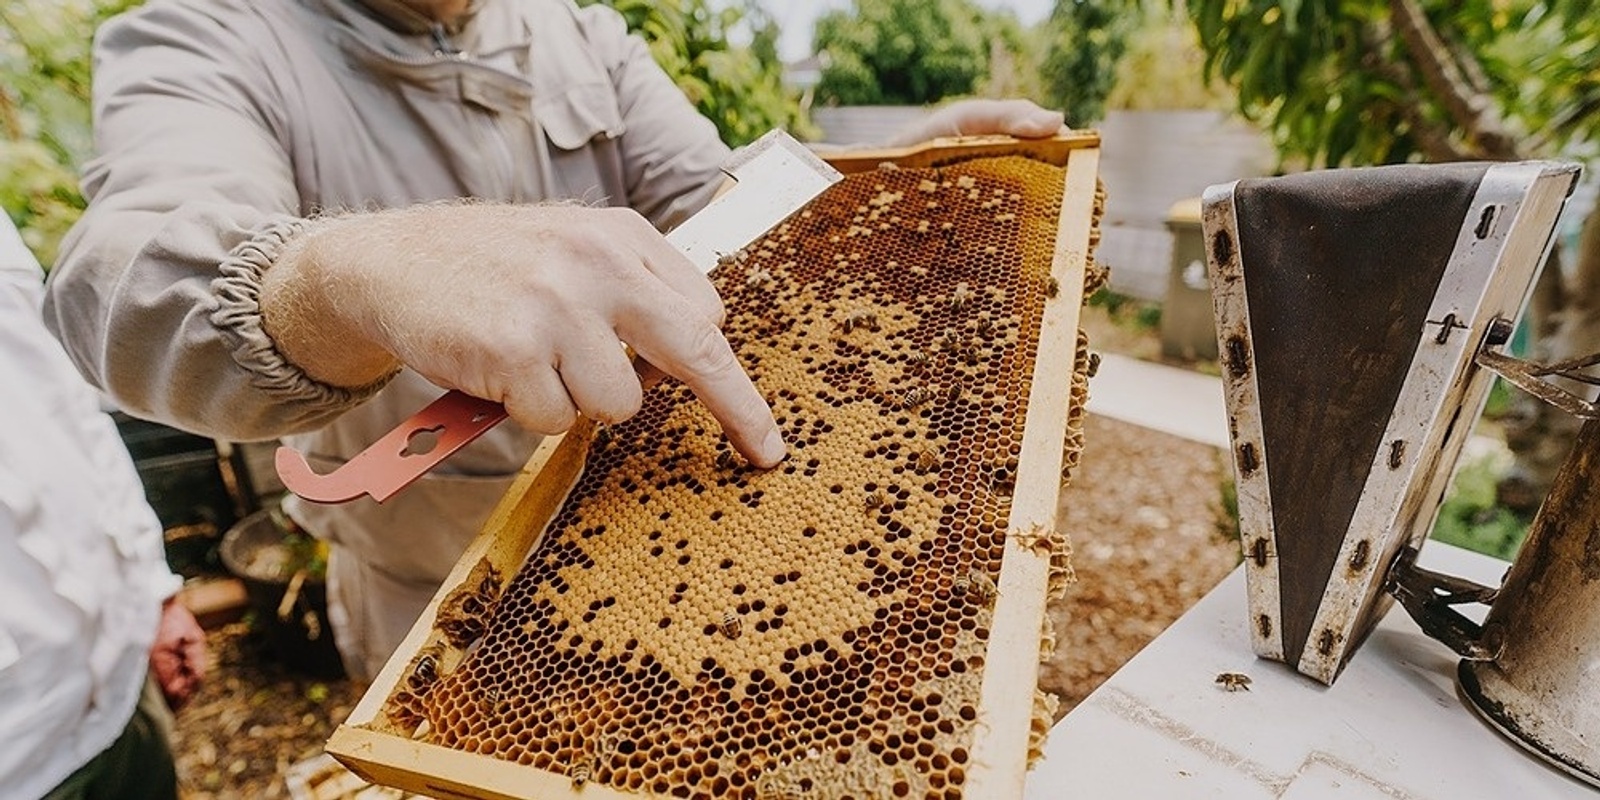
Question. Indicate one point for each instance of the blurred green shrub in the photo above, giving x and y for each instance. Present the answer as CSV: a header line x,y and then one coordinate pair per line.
x,y
738,87
44,112
1472,518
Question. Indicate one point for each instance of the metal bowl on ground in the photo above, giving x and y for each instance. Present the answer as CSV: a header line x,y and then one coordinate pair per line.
x,y
283,570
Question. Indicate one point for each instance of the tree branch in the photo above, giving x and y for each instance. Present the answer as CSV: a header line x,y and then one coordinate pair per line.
x,y
1471,68
10,119
1432,137
1586,272
1473,111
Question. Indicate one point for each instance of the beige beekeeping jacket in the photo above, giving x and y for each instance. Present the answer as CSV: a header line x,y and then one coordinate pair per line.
x,y
222,124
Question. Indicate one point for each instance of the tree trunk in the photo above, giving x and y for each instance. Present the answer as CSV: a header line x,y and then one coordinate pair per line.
x,y
1471,109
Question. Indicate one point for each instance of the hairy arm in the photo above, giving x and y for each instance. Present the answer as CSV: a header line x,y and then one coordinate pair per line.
x,y
523,305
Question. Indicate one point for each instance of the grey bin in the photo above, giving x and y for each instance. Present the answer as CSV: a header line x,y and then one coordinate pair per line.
x,y
1188,326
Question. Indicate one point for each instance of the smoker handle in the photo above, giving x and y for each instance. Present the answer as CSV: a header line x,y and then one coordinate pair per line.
x,y
1528,375
1429,596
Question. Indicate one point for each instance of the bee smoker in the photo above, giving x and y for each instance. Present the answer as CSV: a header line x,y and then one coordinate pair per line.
x,y
1361,317
1535,673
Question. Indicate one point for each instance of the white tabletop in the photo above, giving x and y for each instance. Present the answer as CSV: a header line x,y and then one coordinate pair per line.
x,y
1391,728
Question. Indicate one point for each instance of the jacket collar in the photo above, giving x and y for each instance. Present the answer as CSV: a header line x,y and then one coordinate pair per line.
x,y
489,73
402,18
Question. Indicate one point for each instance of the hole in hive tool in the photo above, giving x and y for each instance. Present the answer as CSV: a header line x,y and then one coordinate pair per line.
x,y
422,442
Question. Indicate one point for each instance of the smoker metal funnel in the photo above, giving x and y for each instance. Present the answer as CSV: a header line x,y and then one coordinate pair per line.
x,y
1540,683
1350,307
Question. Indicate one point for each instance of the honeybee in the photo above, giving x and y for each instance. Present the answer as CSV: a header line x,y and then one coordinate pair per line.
x,y
985,326
491,700
725,460
960,297
1094,365
580,772
960,586
980,586
919,359
1233,681
873,502
915,396
425,673
953,393
758,279
860,318
1098,274
730,626
1052,287
729,259
927,461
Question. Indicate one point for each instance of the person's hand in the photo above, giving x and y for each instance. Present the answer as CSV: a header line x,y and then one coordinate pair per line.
x,y
522,305
178,658
1020,118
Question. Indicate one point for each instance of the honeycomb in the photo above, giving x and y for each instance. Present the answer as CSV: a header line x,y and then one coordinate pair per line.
x,y
689,626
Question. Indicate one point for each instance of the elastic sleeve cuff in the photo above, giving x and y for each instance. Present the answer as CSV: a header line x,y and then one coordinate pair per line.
x,y
238,319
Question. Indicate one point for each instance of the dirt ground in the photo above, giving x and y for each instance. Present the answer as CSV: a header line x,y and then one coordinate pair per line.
x,y
1148,540
1149,537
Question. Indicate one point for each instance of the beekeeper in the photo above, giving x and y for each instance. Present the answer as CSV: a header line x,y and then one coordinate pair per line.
x,y
307,216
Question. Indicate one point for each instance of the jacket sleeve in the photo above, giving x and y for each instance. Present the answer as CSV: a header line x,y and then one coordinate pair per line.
x,y
191,198
672,155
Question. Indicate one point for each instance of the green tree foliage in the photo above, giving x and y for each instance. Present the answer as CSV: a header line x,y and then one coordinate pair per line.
x,y
903,52
44,112
740,88
1085,41
1163,68
1379,81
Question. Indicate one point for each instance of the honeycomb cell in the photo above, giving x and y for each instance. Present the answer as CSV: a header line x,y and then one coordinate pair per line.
x,y
691,627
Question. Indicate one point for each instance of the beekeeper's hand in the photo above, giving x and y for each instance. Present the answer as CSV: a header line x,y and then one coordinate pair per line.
x,y
1020,118
522,305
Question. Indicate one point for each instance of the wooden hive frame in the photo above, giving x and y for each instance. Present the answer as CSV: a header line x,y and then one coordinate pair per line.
x,y
371,744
